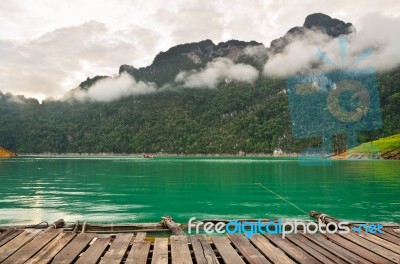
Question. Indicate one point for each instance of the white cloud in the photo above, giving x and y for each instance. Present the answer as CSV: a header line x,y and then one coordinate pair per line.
x,y
297,56
256,51
109,89
58,61
217,71
383,34
378,32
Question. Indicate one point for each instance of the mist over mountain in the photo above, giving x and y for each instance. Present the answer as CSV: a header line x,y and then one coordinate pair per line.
x,y
202,97
206,65
194,65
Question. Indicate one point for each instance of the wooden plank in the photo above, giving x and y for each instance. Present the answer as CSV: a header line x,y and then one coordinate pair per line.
x,y
367,254
392,232
292,250
203,251
336,249
52,249
117,250
8,235
314,250
140,236
180,253
15,244
94,252
71,252
7,232
381,251
227,252
249,252
382,242
276,255
160,251
34,246
389,237
138,253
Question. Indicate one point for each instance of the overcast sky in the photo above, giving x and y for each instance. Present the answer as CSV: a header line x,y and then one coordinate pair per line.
x,y
48,47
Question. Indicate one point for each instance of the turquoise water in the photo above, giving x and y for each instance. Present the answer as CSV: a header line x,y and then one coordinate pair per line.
x,y
133,189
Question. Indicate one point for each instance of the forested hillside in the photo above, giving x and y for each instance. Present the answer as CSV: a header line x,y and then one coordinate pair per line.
x,y
232,118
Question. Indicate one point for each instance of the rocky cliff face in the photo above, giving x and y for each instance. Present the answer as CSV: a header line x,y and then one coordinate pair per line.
x,y
315,22
331,26
191,56
186,57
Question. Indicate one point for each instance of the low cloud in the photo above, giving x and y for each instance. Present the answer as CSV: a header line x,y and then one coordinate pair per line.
x,y
258,52
378,34
216,72
298,55
15,99
110,89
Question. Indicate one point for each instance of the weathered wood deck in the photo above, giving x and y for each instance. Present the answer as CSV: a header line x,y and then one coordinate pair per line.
x,y
56,245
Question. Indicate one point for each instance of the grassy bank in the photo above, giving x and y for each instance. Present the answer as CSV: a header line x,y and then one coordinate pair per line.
x,y
385,148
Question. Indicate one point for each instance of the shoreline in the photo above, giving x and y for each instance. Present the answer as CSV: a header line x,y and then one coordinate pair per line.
x,y
48,154
341,156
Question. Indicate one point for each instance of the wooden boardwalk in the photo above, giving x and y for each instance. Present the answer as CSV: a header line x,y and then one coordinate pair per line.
x,y
56,245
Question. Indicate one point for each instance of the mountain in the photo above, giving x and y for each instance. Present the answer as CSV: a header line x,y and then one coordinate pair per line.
x,y
331,26
192,56
314,22
234,117
166,65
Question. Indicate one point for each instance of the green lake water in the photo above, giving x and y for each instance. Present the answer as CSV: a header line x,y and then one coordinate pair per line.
x,y
133,189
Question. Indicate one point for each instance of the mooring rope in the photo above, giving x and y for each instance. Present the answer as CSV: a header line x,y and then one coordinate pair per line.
x,y
283,198
322,217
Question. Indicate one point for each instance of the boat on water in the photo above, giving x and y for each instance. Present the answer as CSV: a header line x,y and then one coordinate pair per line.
x,y
148,156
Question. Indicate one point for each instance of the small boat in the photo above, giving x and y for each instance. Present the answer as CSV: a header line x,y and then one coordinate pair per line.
x,y
148,156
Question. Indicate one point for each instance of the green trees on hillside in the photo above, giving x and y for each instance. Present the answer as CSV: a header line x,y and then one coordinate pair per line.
x,y
235,117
